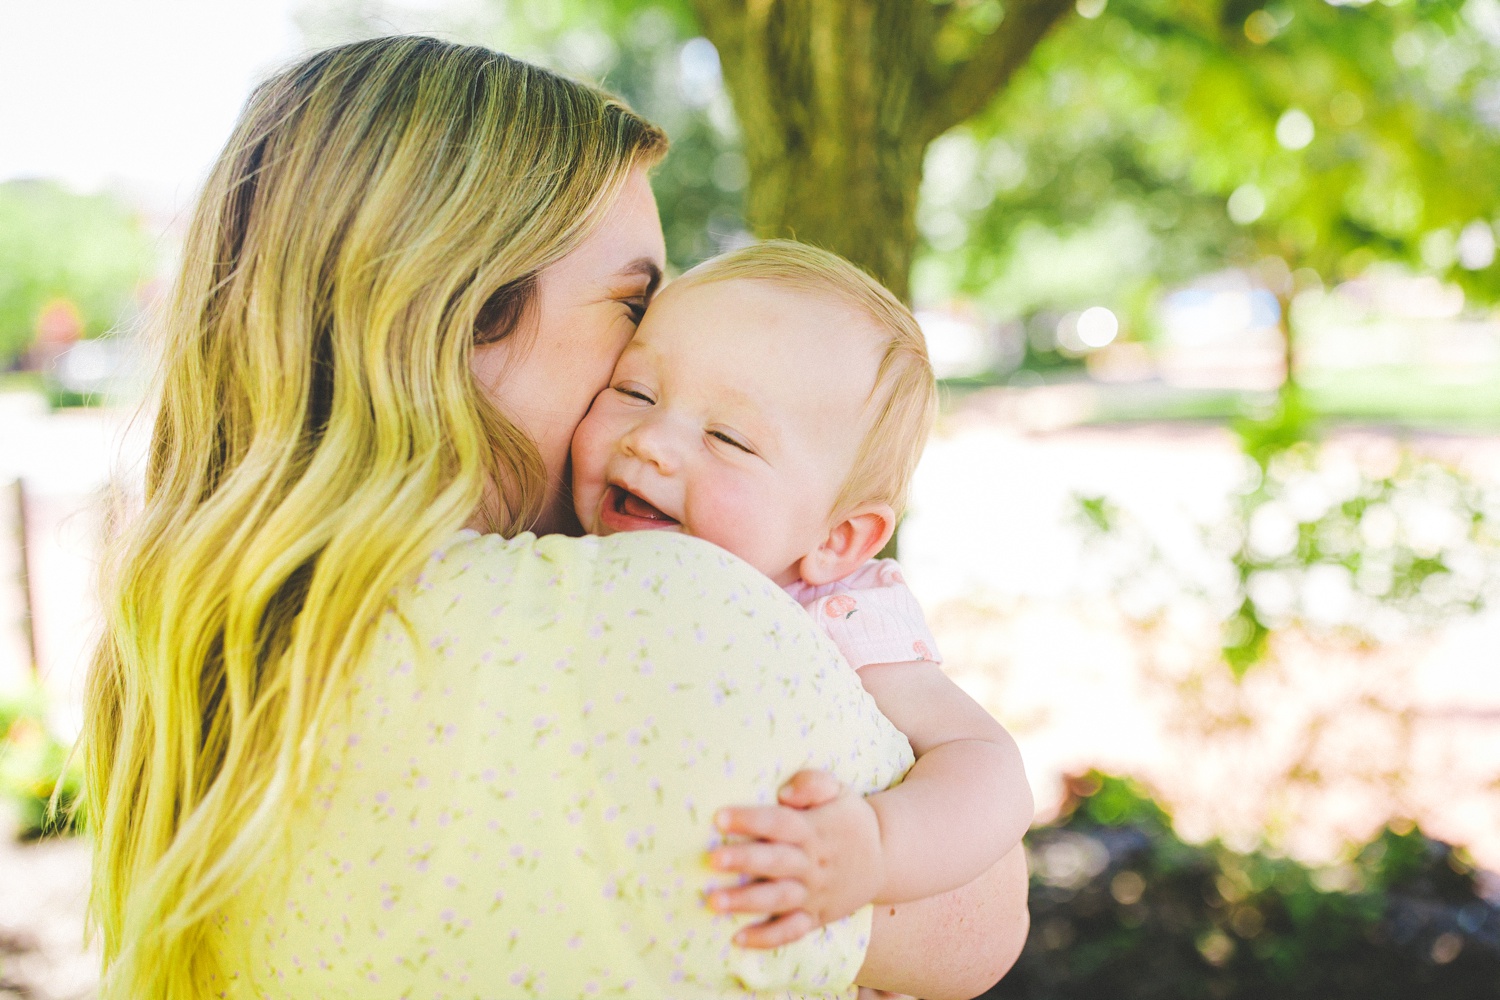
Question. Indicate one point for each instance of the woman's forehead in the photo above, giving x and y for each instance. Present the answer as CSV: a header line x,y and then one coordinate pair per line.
x,y
625,244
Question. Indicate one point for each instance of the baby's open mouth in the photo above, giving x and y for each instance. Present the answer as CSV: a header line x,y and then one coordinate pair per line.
x,y
631,512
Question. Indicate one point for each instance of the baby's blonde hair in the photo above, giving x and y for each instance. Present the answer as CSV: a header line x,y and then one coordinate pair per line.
x,y
903,403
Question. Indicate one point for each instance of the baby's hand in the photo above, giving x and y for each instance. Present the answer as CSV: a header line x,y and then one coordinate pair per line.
x,y
814,859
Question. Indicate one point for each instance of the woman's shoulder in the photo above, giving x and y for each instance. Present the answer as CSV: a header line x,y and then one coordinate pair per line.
x,y
562,569
469,545
477,591
657,594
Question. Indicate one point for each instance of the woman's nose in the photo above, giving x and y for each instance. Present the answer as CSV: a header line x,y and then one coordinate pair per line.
x,y
654,443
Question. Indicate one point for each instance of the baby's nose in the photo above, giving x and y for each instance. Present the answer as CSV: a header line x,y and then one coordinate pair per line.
x,y
654,443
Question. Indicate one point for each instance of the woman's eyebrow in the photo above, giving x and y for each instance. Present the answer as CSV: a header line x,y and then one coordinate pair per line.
x,y
644,267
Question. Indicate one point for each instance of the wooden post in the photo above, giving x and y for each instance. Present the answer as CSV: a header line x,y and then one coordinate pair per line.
x,y
23,569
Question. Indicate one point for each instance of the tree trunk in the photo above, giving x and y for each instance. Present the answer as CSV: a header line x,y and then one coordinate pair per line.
x,y
838,99
1288,342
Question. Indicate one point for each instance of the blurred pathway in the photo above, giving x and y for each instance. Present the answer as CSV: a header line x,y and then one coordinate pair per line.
x,y
43,891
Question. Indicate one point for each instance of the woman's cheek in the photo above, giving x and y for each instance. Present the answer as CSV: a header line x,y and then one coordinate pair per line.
x,y
603,350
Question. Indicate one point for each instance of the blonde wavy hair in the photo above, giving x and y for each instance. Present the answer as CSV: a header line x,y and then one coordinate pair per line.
x,y
903,404
379,209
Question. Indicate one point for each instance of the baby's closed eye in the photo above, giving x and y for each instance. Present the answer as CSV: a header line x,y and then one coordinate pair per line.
x,y
635,391
732,441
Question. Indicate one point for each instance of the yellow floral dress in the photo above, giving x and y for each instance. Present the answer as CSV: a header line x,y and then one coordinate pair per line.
x,y
522,798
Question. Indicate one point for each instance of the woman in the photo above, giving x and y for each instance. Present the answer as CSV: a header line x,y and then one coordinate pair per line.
x,y
338,746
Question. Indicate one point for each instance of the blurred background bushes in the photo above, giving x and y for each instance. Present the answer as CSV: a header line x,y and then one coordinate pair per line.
x,y
91,252
73,268
34,764
1122,908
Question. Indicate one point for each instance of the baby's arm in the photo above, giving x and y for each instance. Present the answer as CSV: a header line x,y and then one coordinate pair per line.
x,y
825,851
966,801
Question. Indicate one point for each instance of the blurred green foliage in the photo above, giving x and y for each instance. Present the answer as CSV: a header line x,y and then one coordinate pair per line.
x,y
1160,140
1289,422
34,763
88,250
1320,540
1324,544
1123,908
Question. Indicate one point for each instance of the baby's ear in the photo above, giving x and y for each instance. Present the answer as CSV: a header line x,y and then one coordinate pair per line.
x,y
850,543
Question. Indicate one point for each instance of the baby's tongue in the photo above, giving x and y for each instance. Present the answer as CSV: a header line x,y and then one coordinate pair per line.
x,y
636,507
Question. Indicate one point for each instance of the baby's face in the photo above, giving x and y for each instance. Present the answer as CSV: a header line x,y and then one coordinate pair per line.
x,y
734,415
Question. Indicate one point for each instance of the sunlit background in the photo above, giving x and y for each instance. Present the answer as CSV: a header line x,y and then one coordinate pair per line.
x,y
1212,517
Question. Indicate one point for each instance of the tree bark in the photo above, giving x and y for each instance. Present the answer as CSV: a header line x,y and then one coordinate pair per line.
x,y
838,100
1288,342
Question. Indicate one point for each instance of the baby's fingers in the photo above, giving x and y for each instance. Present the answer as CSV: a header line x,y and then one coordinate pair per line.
x,y
809,789
760,859
777,931
774,896
763,823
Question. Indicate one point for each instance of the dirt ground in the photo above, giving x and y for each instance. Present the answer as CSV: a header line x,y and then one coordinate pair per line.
x,y
43,891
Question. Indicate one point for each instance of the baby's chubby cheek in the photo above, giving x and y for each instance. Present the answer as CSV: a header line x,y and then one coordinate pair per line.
x,y
745,521
588,452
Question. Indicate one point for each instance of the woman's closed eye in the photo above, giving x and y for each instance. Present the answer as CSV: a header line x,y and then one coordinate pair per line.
x,y
636,307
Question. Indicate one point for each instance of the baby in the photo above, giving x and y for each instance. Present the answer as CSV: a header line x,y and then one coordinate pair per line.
x,y
774,401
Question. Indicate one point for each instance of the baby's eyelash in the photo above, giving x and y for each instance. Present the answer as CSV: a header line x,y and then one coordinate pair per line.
x,y
633,393
731,441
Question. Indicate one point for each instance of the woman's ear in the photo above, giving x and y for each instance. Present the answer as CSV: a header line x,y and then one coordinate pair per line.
x,y
850,543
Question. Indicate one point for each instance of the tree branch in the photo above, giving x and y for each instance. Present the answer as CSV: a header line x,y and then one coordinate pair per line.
x,y
959,92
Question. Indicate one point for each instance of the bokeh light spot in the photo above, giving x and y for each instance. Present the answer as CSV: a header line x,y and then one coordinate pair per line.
x,y
1476,246
1294,130
1097,326
1261,27
1246,204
